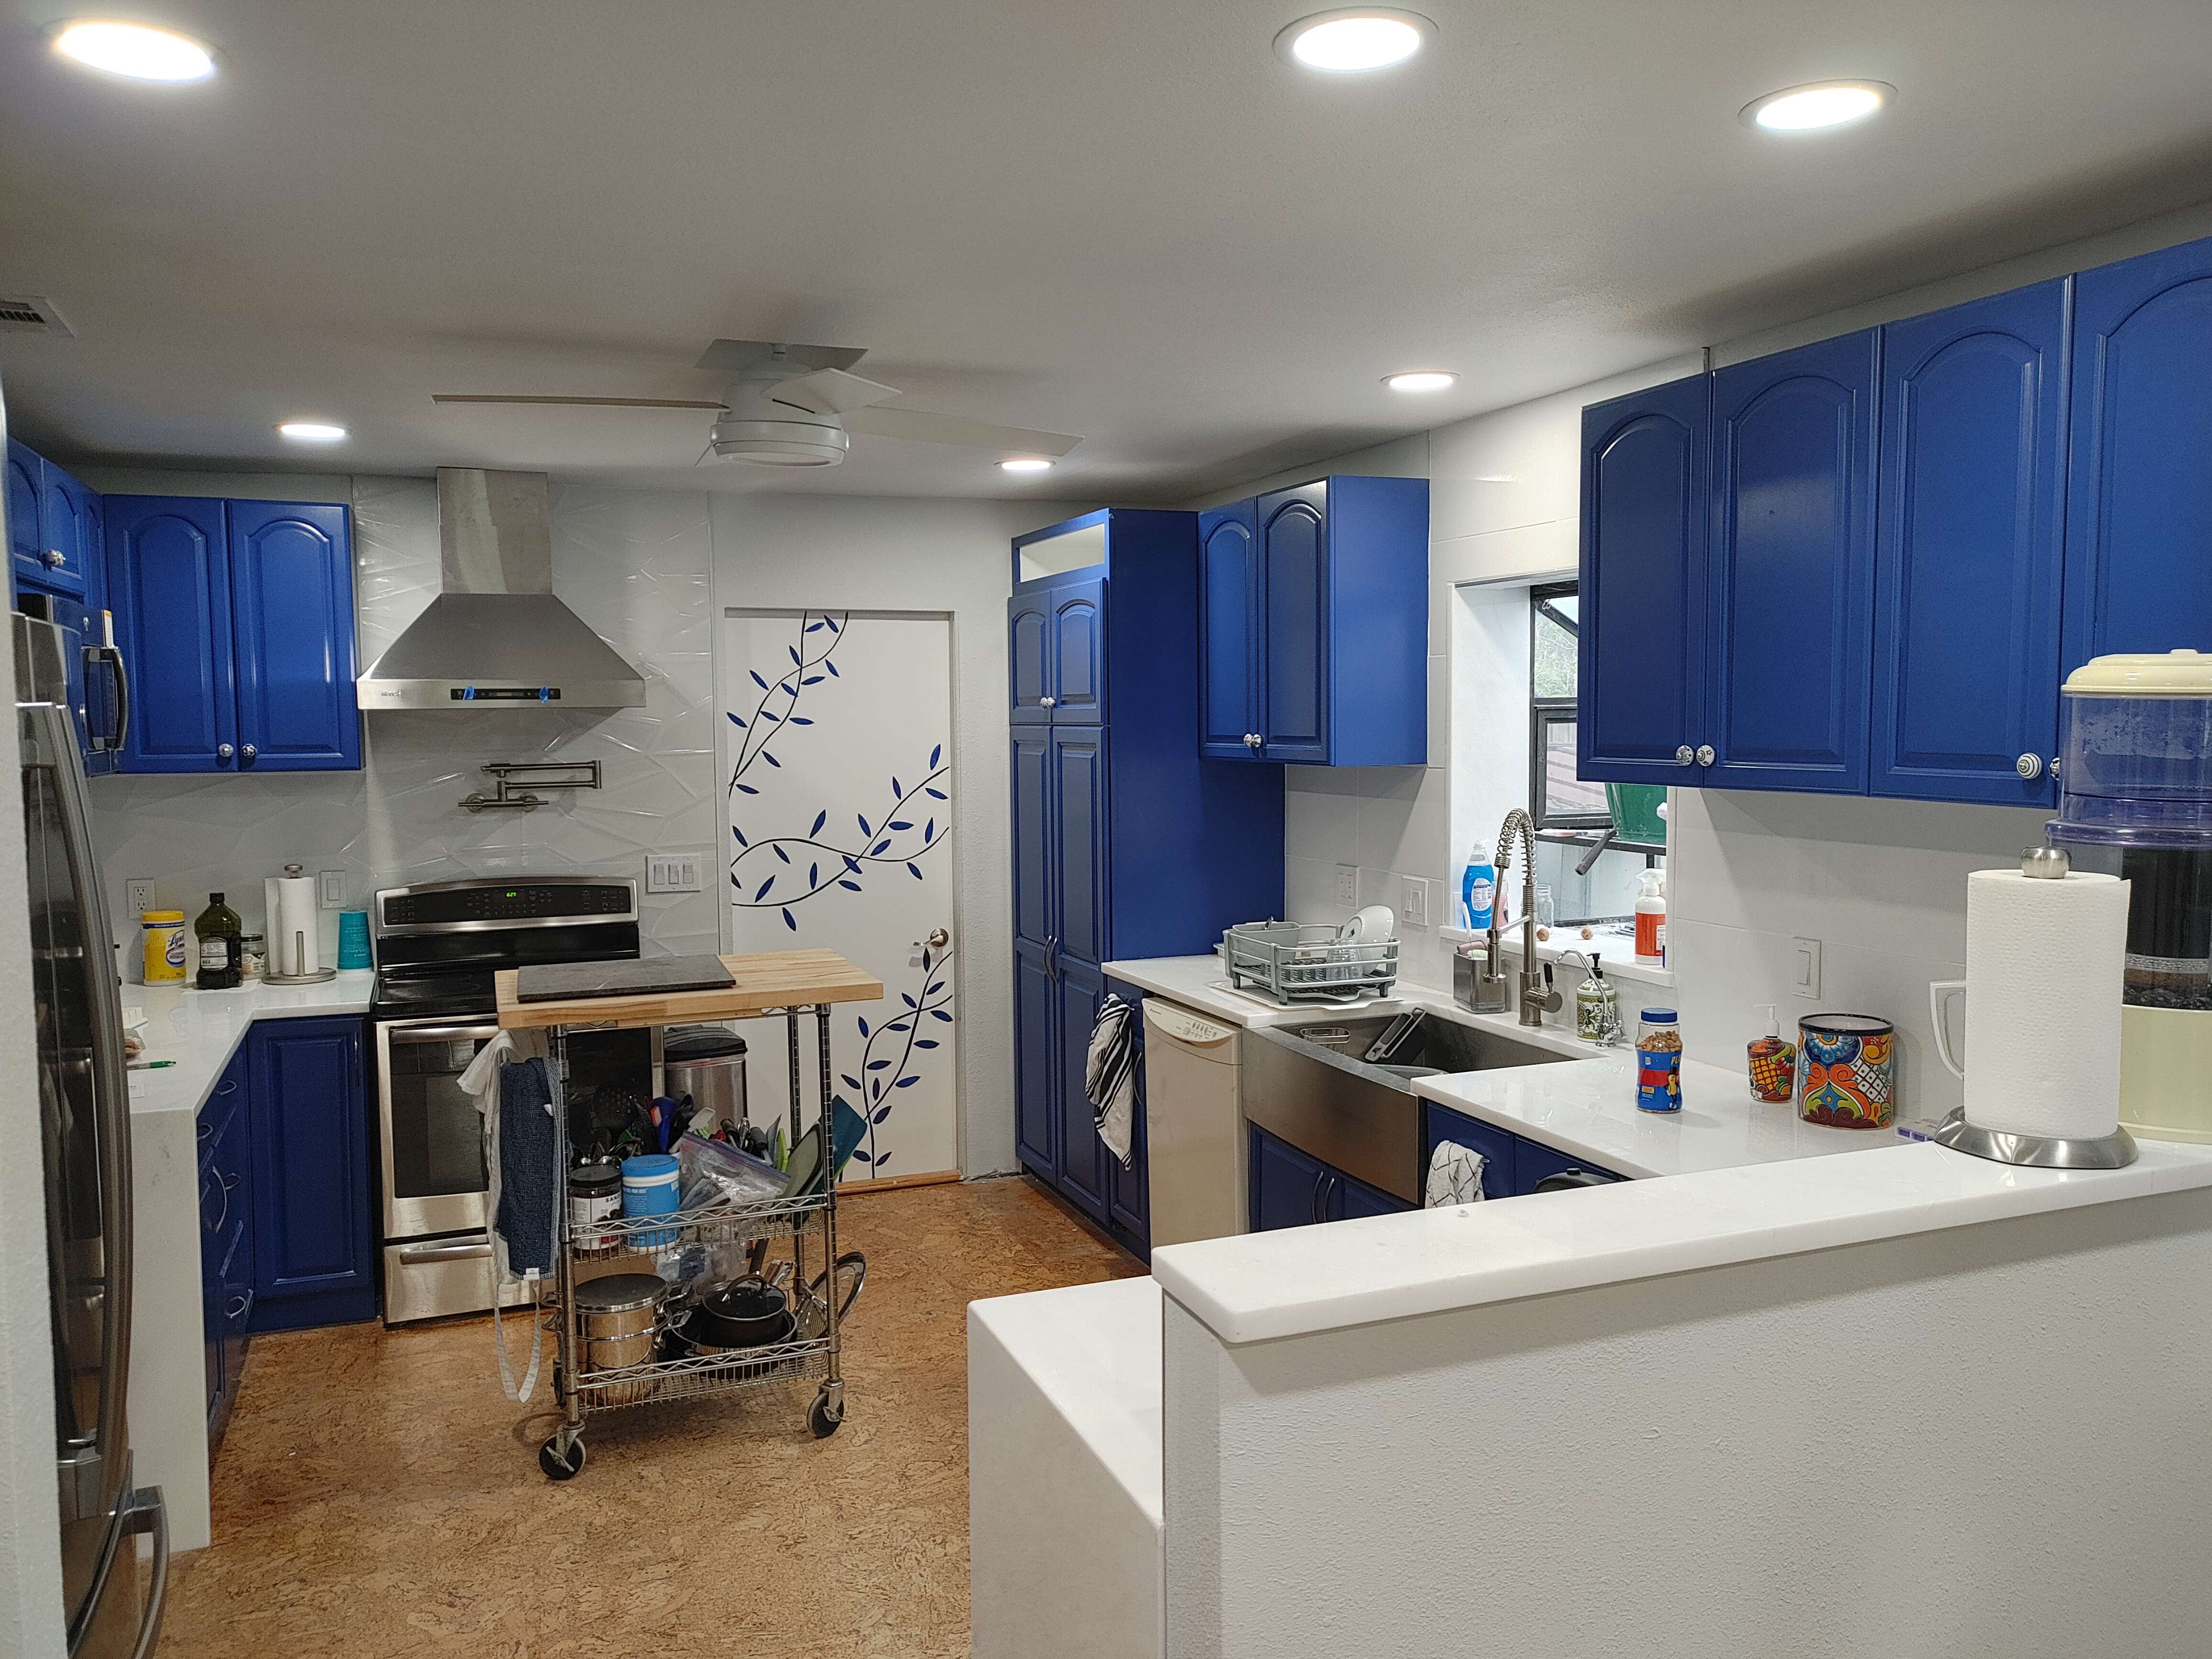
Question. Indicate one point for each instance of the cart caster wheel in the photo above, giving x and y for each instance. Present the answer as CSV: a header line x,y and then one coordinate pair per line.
x,y
821,1418
559,1465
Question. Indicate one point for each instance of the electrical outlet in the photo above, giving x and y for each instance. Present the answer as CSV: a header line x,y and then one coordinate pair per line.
x,y
1413,902
1805,967
333,893
138,894
1347,883
672,872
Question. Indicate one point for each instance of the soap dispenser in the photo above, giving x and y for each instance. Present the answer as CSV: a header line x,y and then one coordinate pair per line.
x,y
1773,1062
1597,1005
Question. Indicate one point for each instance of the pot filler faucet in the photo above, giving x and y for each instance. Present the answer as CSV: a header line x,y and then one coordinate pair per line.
x,y
1538,995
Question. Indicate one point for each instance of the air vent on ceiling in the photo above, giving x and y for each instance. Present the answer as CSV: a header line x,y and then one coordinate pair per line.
x,y
34,315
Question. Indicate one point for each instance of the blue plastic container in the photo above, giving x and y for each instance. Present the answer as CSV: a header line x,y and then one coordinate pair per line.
x,y
649,1182
353,939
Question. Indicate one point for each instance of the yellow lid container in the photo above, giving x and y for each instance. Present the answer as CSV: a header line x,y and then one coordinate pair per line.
x,y
163,932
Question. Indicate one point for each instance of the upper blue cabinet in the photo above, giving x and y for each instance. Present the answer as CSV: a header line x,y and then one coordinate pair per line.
x,y
237,620
1314,617
1969,561
2139,532
53,526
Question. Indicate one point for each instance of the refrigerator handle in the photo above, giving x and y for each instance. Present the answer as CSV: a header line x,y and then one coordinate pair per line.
x,y
112,656
148,1511
49,740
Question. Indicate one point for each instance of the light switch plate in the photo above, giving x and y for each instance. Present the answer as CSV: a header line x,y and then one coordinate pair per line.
x,y
672,872
333,894
1413,902
1347,883
1805,967
138,895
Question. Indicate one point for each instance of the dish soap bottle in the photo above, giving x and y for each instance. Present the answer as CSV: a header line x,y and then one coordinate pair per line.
x,y
1651,921
1597,1007
221,944
1478,891
1773,1061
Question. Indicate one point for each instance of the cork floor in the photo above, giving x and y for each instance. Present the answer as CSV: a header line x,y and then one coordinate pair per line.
x,y
378,1495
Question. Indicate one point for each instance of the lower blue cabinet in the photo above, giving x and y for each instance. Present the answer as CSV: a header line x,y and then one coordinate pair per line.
x,y
1512,1166
1537,1164
226,1169
314,1259
1286,1188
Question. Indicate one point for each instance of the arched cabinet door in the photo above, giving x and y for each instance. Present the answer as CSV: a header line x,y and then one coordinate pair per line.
x,y
1790,586
291,579
1229,619
168,584
1293,538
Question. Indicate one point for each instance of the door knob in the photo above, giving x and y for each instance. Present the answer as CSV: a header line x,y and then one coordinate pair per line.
x,y
223,752
939,939
1704,754
1048,702
1685,756
248,755
2030,767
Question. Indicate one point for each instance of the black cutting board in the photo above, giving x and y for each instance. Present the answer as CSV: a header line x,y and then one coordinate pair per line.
x,y
559,981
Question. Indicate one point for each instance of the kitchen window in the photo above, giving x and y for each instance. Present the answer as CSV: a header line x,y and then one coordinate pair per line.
x,y
1558,800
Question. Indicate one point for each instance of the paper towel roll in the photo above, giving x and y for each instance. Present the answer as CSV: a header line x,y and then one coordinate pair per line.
x,y
2044,960
295,938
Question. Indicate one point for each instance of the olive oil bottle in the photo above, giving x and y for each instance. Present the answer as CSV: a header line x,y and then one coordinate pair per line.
x,y
222,947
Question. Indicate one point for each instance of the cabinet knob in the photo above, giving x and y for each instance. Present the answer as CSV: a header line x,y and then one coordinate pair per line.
x,y
1685,756
51,558
2030,767
1251,739
1704,754
223,752
249,755
1048,702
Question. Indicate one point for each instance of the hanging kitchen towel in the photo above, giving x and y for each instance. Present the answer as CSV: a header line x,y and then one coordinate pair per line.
x,y
1454,1175
1109,1077
483,1081
527,1215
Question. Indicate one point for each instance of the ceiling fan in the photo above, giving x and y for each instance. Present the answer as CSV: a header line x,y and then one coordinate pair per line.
x,y
797,405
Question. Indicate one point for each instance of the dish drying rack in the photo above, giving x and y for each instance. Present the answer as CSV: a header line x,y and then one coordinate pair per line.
x,y
1307,962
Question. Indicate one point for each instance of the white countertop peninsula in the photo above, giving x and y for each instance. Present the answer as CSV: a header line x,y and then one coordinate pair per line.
x,y
199,1031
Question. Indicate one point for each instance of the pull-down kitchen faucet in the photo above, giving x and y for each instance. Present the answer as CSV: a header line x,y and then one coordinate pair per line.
x,y
1538,995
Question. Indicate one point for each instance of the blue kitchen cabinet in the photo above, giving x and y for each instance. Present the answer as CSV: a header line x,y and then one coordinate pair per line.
x,y
26,551
1500,1148
1970,552
237,620
1129,1186
1283,1187
1029,657
1334,642
1350,1198
2139,504
1126,843
1645,516
1789,592
1534,1164
52,528
313,1249
226,1241
1229,601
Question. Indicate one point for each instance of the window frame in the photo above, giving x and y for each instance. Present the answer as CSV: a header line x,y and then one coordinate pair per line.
x,y
1546,712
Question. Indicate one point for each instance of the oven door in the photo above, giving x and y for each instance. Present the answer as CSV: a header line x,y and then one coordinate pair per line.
x,y
433,1134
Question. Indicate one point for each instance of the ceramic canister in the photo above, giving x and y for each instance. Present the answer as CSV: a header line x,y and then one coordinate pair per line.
x,y
1847,1071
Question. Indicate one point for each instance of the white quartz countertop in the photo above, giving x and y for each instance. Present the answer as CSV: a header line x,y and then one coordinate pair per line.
x,y
200,1031
1304,1279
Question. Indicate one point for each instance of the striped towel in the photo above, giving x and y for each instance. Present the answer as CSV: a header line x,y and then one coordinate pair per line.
x,y
1109,1077
1455,1177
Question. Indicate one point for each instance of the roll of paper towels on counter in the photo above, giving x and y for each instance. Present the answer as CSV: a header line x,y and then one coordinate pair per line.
x,y
2045,964
295,944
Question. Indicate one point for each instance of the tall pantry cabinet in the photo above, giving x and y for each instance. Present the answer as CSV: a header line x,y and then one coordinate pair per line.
x,y
1126,843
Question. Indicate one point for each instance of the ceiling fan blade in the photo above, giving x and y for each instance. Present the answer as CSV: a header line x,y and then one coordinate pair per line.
x,y
730,356
830,391
921,424
585,403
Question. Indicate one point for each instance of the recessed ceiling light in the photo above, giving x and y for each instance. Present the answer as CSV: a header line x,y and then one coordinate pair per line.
x,y
312,432
1420,379
1026,463
138,50
1822,104
1355,38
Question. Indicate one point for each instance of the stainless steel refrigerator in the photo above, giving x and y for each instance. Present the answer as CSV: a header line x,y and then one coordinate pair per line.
x,y
85,1109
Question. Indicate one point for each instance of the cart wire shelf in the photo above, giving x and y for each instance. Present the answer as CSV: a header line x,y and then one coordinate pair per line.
x,y
697,1376
727,1222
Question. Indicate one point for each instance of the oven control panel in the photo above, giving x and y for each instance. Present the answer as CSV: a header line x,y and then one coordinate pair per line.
x,y
506,902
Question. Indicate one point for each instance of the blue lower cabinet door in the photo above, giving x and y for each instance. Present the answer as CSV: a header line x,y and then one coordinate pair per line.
x,y
168,584
1036,1061
1538,1164
291,583
1284,1187
1500,1148
1083,1157
2139,497
1970,552
1350,1198
1789,635
1293,534
313,1261
1228,634
1641,644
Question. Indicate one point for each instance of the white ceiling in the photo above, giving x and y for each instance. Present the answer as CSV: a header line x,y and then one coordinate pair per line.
x,y
1127,220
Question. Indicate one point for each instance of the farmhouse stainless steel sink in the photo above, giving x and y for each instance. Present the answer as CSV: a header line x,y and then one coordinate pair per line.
x,y
1309,1083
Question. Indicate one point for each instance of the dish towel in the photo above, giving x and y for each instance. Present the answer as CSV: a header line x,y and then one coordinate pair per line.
x,y
1109,1077
1454,1175
485,1081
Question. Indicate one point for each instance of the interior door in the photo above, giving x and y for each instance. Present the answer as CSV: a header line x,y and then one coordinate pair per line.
x,y
1294,603
1079,653
1645,467
291,574
1229,625
837,758
1789,633
169,586
1969,556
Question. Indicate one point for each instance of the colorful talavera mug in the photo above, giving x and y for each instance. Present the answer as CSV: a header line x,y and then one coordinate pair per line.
x,y
1847,1071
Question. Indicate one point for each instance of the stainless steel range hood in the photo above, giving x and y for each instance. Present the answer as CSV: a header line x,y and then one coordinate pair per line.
x,y
496,635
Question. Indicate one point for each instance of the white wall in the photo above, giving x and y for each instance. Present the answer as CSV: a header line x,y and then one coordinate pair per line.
x,y
859,553
1959,1442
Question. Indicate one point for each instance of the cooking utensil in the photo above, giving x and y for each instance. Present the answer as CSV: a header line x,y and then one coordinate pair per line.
x,y
745,1313
620,1316
852,1273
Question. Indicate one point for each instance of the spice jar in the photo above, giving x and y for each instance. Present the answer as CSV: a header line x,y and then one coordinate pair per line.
x,y
252,950
1658,1062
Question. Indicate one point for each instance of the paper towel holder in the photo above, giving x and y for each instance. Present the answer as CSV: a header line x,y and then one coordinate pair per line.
x,y
297,953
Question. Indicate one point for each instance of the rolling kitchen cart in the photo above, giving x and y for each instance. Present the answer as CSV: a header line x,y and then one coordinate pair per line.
x,y
791,984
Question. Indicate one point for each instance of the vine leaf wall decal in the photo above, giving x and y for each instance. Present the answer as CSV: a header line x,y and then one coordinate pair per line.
x,y
881,1075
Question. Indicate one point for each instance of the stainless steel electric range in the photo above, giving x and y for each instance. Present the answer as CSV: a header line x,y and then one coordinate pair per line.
x,y
437,947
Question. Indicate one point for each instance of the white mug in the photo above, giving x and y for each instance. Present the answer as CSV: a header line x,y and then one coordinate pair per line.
x,y
1940,993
